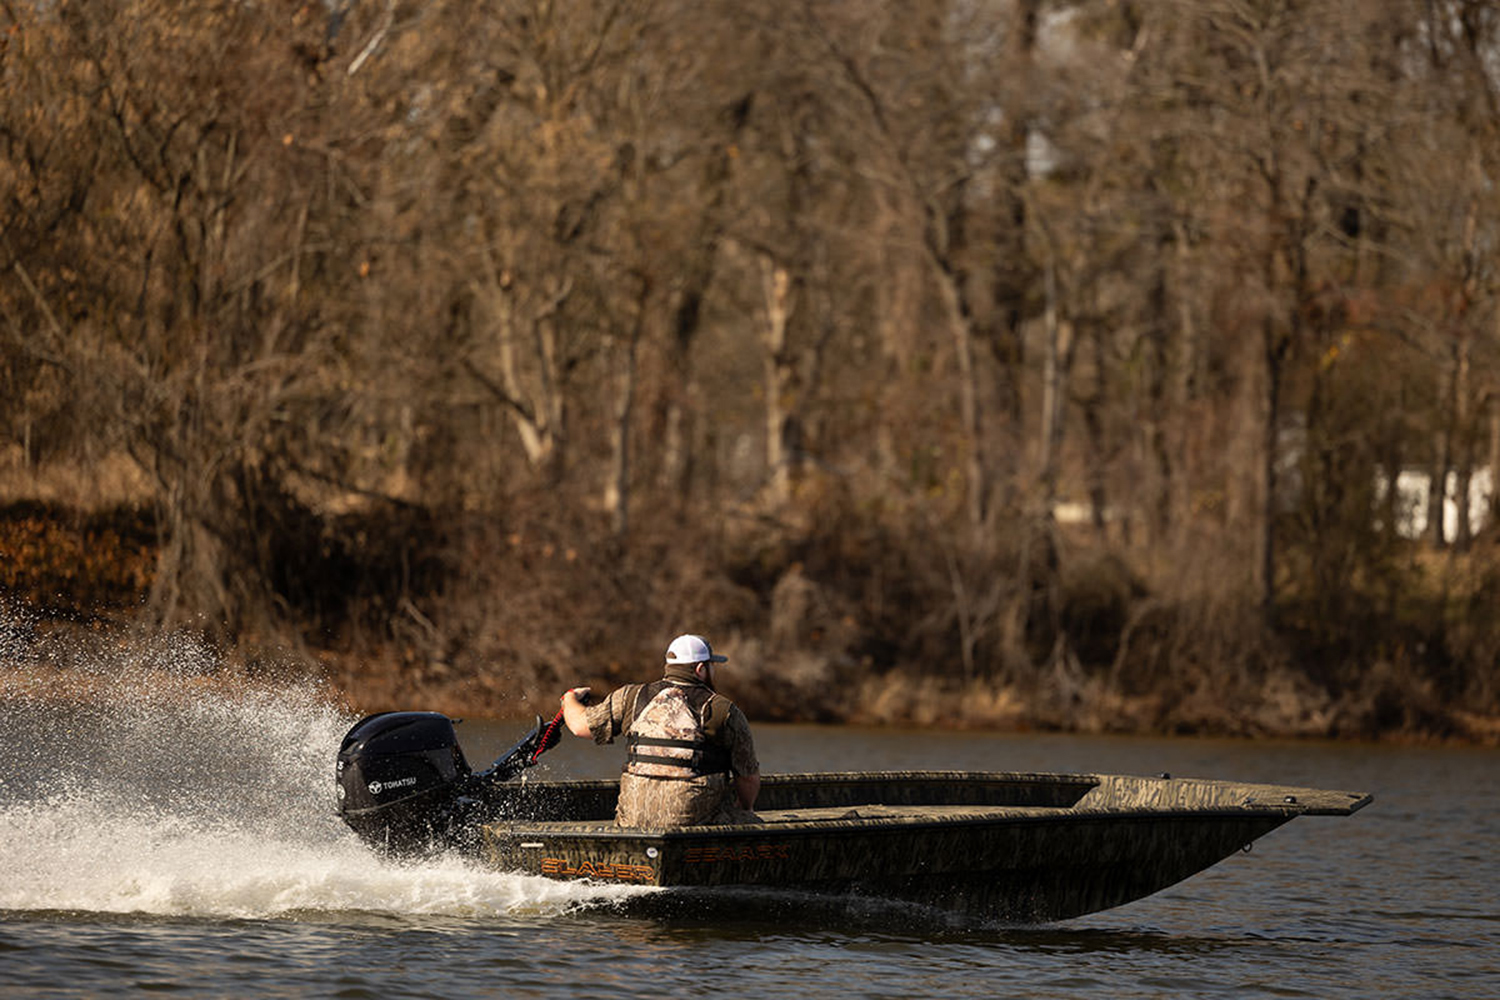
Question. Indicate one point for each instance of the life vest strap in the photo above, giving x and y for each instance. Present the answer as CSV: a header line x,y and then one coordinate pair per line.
x,y
662,741
705,758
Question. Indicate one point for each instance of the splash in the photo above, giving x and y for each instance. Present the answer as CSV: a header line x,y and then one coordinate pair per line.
x,y
139,780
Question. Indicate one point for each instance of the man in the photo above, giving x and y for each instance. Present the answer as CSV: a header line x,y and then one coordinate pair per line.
x,y
691,760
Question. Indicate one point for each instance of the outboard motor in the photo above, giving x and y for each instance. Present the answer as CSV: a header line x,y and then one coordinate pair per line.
x,y
404,785
399,775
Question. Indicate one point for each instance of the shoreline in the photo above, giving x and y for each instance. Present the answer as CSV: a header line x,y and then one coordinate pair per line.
x,y
80,687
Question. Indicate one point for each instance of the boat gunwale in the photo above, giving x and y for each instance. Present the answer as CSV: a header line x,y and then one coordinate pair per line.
x,y
603,830
1288,807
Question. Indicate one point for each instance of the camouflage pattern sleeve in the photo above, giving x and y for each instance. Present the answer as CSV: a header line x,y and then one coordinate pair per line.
x,y
606,717
741,746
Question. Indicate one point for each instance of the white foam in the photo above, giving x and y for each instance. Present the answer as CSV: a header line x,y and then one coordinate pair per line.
x,y
79,853
158,795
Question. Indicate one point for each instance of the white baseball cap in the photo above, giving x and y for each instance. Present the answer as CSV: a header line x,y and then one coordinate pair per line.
x,y
692,649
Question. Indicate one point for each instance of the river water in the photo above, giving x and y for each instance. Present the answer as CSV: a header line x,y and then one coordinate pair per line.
x,y
170,837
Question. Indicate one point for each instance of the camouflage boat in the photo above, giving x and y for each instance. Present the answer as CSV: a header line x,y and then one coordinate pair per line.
x,y
984,845
1025,847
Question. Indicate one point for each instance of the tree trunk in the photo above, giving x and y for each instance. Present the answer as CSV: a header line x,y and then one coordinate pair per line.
x,y
976,477
782,446
1056,363
1492,501
525,333
617,488
1463,459
1442,461
1276,347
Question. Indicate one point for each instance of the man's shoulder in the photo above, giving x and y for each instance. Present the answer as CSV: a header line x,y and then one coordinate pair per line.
x,y
727,717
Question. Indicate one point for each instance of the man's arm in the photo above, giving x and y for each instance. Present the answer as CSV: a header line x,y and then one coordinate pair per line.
x,y
746,788
742,758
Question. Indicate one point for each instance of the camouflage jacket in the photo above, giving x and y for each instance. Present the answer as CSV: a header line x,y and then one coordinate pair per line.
x,y
684,776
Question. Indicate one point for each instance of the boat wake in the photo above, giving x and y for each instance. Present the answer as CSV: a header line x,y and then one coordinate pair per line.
x,y
135,782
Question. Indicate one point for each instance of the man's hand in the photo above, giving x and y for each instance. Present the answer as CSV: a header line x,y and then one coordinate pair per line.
x,y
573,702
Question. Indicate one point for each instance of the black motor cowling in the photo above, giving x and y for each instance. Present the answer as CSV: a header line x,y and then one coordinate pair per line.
x,y
400,776
404,786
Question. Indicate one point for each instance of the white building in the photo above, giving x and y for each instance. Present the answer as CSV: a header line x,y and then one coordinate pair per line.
x,y
1413,493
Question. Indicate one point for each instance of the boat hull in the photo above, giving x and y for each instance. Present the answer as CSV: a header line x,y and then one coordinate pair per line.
x,y
984,846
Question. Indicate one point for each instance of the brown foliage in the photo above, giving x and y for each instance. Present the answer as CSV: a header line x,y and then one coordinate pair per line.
x,y
79,565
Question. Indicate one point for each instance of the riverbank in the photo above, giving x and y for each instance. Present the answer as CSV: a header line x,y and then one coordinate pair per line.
x,y
69,665
811,639
909,700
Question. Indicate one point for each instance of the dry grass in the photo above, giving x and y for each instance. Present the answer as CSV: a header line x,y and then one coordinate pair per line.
x,y
111,480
